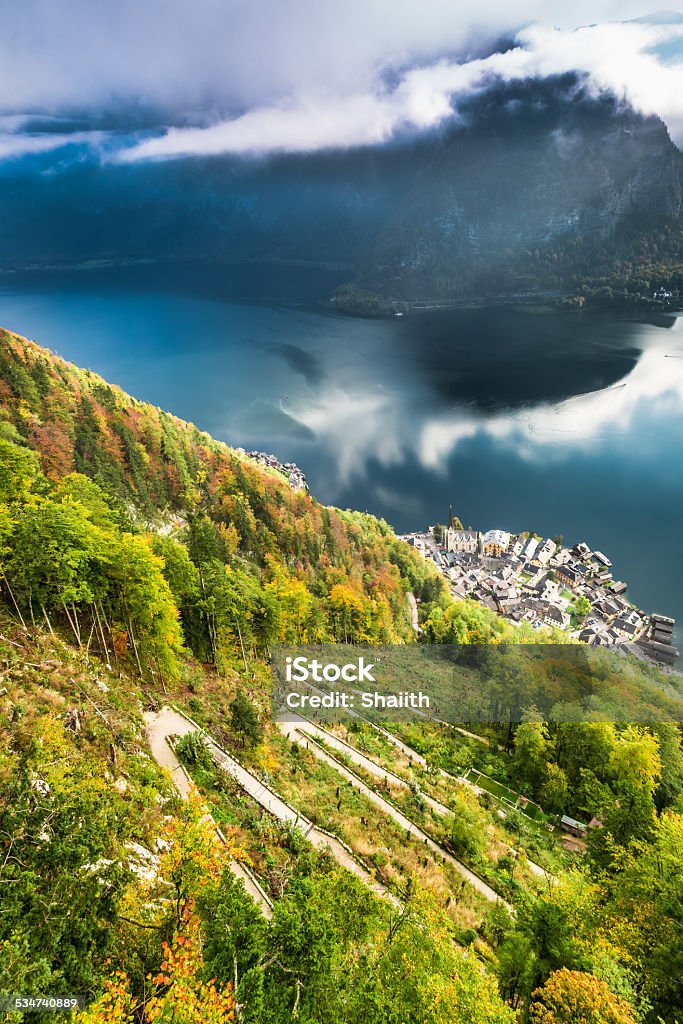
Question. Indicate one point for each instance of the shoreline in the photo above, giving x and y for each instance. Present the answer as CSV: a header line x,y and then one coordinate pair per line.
x,y
381,308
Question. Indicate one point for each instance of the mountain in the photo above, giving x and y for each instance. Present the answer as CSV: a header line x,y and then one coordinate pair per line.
x,y
143,563
535,187
306,571
136,530
545,188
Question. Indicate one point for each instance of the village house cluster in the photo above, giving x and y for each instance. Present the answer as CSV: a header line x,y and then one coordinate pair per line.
x,y
525,578
295,476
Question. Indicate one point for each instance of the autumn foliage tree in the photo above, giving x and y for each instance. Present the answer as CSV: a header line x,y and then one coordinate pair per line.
x,y
179,992
182,991
574,997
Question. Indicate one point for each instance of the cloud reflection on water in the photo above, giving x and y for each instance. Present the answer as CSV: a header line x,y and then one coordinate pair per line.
x,y
357,426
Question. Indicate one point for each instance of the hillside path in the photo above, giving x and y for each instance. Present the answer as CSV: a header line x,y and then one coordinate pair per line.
x,y
534,868
357,756
303,730
169,722
159,726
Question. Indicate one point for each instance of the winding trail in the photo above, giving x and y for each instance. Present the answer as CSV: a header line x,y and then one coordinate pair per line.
x,y
304,726
159,726
169,722
304,731
534,868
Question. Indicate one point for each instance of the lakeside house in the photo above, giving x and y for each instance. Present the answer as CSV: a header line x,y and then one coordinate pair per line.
x,y
555,616
657,641
569,574
594,637
530,549
544,553
629,622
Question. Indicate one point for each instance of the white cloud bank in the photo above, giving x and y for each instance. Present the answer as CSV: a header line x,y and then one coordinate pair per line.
x,y
258,76
184,55
622,58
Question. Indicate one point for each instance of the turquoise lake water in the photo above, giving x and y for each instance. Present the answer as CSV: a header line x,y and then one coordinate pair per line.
x,y
518,417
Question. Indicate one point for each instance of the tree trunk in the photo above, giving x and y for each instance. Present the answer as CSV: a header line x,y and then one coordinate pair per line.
x,y
244,657
71,623
14,602
45,616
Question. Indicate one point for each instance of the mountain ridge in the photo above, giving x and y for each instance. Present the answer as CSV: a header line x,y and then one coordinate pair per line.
x,y
541,186
580,195
164,475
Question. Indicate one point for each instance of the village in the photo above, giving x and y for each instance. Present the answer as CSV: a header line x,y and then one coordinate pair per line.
x,y
526,578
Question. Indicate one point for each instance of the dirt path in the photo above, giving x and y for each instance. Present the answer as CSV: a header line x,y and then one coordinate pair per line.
x,y
305,731
412,605
534,868
363,761
358,757
159,726
169,722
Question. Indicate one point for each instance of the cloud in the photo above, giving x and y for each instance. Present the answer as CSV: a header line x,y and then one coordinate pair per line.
x,y
311,125
262,76
15,144
621,58
180,56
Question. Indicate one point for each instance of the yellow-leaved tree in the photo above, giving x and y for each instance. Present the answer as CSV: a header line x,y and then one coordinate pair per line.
x,y
181,992
574,997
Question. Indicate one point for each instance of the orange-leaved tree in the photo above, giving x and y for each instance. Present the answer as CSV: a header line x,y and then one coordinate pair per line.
x,y
194,857
180,994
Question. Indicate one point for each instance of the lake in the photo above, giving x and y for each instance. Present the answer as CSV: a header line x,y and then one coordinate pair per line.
x,y
518,417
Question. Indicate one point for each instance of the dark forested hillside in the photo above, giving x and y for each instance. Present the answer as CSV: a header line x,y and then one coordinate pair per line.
x,y
544,188
539,187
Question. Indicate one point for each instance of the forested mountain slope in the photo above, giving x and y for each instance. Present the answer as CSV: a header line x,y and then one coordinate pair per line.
x,y
544,187
142,562
305,571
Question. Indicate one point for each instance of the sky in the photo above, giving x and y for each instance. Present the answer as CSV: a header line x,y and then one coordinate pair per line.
x,y
138,80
